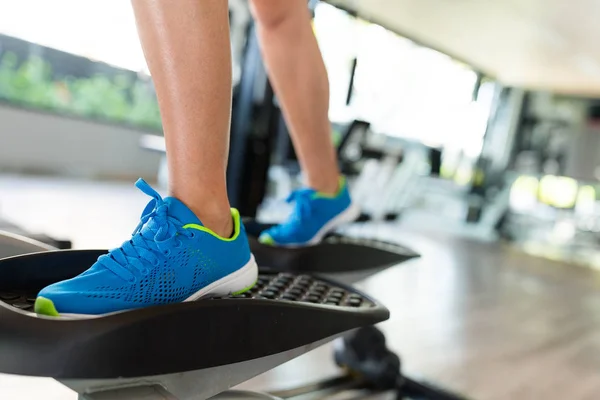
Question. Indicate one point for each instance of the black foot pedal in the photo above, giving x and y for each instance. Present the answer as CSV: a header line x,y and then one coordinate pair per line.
x,y
284,312
337,253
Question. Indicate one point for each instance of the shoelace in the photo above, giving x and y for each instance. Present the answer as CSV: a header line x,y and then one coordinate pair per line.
x,y
146,247
303,208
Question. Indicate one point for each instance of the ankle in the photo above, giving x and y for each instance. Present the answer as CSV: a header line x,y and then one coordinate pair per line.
x,y
211,208
224,228
218,220
326,186
220,223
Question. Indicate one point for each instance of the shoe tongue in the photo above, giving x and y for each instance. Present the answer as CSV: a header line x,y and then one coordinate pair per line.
x,y
180,211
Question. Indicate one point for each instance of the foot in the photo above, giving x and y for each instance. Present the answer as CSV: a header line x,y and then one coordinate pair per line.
x,y
314,216
170,258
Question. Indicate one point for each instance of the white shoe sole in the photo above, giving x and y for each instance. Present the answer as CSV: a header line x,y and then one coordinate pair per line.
x,y
235,283
350,214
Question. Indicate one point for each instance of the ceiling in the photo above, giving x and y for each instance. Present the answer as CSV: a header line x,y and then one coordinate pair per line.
x,y
538,44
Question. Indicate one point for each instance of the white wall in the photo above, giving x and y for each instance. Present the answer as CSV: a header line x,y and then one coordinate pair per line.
x,y
45,143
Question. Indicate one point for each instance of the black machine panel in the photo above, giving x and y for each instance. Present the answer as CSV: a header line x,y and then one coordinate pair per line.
x,y
335,254
284,311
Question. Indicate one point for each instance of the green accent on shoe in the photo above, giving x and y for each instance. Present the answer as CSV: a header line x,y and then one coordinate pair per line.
x,y
44,306
265,238
245,289
235,214
341,186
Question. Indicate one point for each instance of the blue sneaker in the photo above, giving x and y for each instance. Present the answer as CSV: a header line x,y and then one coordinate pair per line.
x,y
315,215
170,258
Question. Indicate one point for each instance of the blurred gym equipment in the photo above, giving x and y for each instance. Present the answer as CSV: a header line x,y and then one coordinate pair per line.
x,y
12,244
15,240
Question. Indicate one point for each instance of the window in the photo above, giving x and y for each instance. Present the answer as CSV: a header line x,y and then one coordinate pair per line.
x,y
92,67
401,88
336,32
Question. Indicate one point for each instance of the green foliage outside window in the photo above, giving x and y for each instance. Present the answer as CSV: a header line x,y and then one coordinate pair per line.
x,y
121,99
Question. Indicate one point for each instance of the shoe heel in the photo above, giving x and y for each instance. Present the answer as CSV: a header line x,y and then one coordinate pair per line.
x,y
351,213
245,289
235,283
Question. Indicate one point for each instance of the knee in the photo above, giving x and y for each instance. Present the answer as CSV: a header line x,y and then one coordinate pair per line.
x,y
272,14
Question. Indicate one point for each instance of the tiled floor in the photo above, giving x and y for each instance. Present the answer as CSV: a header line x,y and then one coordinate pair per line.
x,y
475,317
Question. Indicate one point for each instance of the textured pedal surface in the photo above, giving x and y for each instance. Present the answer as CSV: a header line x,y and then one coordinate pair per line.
x,y
270,286
22,301
303,288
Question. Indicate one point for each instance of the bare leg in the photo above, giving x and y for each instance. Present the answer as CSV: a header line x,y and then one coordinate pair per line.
x,y
187,49
299,78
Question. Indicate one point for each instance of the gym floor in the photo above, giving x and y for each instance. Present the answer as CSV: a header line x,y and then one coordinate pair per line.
x,y
477,318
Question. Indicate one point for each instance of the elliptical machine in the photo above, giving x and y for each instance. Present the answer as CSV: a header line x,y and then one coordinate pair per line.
x,y
168,352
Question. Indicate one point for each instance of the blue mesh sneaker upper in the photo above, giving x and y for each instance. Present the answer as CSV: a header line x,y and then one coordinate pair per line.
x,y
314,216
171,257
